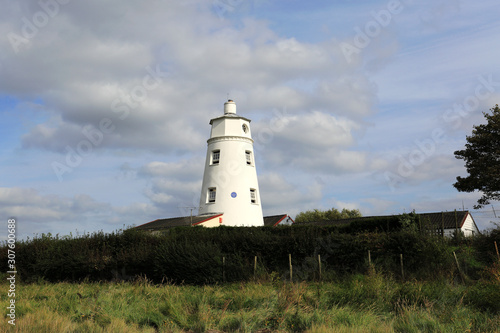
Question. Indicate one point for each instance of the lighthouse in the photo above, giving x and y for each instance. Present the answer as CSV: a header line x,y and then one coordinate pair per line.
x,y
230,186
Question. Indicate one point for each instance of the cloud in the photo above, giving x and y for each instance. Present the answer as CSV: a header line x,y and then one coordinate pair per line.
x,y
174,187
38,213
417,168
377,206
94,62
278,195
314,142
156,71
180,170
28,204
334,203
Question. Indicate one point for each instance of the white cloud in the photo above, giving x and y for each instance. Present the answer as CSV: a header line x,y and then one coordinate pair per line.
x,y
279,195
80,73
35,211
181,170
174,187
30,204
377,206
95,60
314,142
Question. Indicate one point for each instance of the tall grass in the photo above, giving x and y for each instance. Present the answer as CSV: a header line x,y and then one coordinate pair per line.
x,y
361,303
353,297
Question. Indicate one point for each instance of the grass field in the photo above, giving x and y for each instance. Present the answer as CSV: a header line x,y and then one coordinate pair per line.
x,y
362,303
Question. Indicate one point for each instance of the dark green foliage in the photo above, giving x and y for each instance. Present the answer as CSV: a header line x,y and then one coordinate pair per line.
x,y
482,160
485,296
484,246
317,215
183,260
374,224
197,255
92,256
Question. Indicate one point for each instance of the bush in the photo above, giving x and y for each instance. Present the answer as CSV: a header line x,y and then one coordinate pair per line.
x,y
195,254
196,263
485,296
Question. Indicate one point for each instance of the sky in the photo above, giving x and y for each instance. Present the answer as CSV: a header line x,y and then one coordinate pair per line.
x,y
105,105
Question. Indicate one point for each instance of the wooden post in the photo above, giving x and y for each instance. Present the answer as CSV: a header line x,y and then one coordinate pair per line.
x,y
402,267
223,269
369,259
319,266
290,262
458,267
254,267
496,248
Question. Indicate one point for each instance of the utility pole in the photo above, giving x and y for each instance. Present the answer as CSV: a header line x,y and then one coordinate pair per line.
x,y
191,208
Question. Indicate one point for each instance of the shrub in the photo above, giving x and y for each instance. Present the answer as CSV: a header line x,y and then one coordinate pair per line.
x,y
195,254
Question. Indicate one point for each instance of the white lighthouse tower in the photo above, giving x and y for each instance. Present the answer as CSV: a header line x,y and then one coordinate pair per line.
x,y
230,183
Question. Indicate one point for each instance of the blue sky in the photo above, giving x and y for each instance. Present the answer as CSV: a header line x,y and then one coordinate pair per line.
x,y
105,106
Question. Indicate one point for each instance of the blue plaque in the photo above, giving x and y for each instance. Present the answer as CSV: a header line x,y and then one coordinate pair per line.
x,y
233,195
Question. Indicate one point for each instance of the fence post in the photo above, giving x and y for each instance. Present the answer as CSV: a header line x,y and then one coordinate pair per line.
x,y
458,267
254,267
402,266
371,269
290,263
496,248
319,265
224,269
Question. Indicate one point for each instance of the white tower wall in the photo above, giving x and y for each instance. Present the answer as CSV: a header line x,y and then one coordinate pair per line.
x,y
230,172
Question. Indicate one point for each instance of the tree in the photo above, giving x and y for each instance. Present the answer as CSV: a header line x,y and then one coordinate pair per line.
x,y
482,160
332,214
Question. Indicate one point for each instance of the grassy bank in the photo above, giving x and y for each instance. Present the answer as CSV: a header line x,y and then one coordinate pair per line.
x,y
361,303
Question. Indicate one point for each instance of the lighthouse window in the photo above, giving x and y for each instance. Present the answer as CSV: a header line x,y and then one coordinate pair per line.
x,y
253,196
211,194
248,155
215,156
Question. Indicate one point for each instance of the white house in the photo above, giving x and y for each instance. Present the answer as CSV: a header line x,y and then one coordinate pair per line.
x,y
278,220
451,222
446,223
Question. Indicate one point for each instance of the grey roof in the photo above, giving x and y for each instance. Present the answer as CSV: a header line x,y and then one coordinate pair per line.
x,y
229,115
271,221
450,220
161,224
